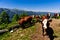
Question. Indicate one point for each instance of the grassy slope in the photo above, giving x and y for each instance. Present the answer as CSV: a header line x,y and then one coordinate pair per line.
x,y
19,34
26,34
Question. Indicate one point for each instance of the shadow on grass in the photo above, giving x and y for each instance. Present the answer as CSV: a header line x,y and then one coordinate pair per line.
x,y
24,26
50,32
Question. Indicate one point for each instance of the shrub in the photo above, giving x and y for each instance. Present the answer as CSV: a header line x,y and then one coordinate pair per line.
x,y
3,26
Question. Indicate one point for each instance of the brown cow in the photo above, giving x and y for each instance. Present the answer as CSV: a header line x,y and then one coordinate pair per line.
x,y
55,15
38,18
25,20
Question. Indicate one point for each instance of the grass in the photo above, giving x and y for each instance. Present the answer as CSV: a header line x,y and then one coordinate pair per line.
x,y
19,34
3,26
16,35
3,36
7,26
12,24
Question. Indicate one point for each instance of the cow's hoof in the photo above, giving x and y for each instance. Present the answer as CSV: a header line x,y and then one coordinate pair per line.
x,y
44,34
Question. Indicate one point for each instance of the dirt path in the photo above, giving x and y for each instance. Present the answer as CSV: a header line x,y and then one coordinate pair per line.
x,y
38,34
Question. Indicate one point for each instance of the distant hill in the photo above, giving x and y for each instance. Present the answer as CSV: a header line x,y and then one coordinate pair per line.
x,y
11,12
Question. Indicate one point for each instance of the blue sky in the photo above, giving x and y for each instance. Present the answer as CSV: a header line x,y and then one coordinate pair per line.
x,y
33,5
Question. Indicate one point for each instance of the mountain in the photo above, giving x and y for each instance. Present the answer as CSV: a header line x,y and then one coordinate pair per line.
x,y
11,12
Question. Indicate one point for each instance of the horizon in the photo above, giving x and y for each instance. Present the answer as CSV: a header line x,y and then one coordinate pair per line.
x,y
32,5
33,11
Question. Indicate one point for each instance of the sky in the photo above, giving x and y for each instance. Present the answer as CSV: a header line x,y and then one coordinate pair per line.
x,y
32,5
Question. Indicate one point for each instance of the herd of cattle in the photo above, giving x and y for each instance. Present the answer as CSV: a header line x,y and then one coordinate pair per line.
x,y
28,19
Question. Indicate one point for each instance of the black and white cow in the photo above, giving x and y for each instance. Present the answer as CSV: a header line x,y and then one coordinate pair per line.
x,y
45,23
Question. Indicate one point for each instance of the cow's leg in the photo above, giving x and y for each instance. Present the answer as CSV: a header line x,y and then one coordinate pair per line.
x,y
44,31
22,25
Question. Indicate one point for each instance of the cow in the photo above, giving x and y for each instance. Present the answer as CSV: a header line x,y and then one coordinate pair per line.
x,y
48,15
55,15
25,20
37,18
45,23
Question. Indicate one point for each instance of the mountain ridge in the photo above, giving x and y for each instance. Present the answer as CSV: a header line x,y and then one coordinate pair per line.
x,y
11,12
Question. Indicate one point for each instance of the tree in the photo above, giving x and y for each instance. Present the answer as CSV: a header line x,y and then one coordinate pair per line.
x,y
0,20
15,17
23,14
4,17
